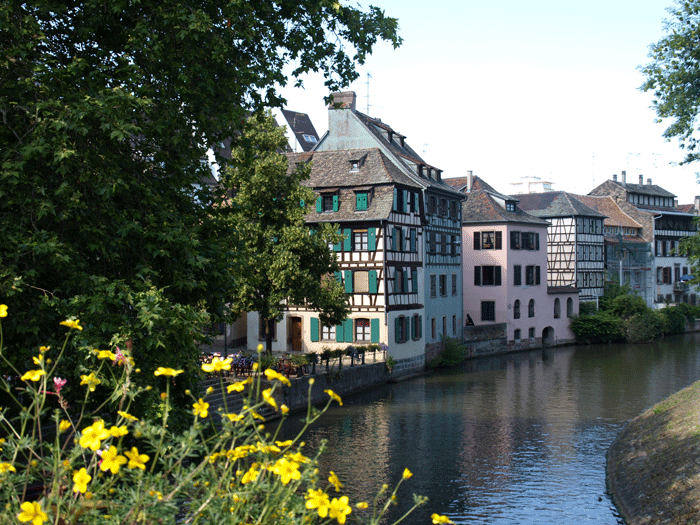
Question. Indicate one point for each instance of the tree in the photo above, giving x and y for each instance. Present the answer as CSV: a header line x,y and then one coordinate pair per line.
x,y
279,259
674,75
107,112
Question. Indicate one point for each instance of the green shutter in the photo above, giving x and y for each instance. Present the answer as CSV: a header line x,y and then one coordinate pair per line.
x,y
395,202
338,276
404,288
339,333
347,243
338,245
348,281
374,330
319,204
371,239
394,239
302,203
314,329
420,326
335,203
405,201
361,201
373,281
397,330
347,328
414,281
414,245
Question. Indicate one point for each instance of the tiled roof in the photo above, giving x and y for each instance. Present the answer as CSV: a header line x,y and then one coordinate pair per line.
x,y
686,208
461,183
614,216
555,204
301,126
481,206
644,189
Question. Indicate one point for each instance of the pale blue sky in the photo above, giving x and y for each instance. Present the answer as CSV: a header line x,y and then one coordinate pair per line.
x,y
539,88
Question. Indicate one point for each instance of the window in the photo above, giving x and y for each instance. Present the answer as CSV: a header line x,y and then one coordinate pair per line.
x,y
454,325
569,307
417,328
510,206
532,275
516,309
329,203
488,240
399,277
531,332
444,325
399,204
433,329
517,275
310,138
328,333
443,285
359,240
262,325
514,240
516,334
362,330
403,329
433,286
432,205
488,310
531,308
487,276
443,207
361,201
454,284
557,308
360,281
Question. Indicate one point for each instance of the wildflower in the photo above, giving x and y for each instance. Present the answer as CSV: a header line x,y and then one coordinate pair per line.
x,y
312,381
164,395
217,365
118,431
105,354
32,375
156,494
64,425
2,441
235,418
407,473
80,480
437,519
284,409
333,480
31,511
44,349
58,383
238,386
334,396
284,443
3,310
267,396
90,380
251,475
6,467
317,499
274,374
136,460
121,359
340,509
201,408
94,435
162,371
287,470
75,324
38,360
127,416
362,505
111,460
260,347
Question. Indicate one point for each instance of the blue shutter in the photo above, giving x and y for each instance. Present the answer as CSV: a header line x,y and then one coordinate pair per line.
x,y
335,203
348,281
371,239
314,328
414,244
414,281
347,243
373,281
339,333
319,204
374,330
302,203
347,328
405,201
395,202
404,288
420,326
397,330
394,239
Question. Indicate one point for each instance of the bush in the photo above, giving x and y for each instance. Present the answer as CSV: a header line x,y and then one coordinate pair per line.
x,y
644,327
626,306
673,319
453,354
587,308
69,465
602,327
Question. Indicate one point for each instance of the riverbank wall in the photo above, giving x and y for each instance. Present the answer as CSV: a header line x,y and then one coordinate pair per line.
x,y
653,466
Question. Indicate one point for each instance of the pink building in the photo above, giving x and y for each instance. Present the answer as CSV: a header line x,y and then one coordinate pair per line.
x,y
505,272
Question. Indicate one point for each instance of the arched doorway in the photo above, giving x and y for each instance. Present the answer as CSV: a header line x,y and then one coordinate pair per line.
x,y
548,336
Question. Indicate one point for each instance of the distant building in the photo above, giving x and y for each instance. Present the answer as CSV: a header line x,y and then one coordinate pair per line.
x,y
302,130
530,184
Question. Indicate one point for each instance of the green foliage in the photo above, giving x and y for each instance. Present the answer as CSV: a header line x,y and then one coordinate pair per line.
x,y
611,291
587,308
602,327
453,354
107,112
674,73
674,319
645,326
626,306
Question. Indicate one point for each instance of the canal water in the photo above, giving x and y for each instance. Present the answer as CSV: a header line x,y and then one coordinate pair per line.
x,y
516,439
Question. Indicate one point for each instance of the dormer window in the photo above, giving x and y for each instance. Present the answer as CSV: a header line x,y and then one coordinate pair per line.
x,y
310,138
361,200
327,202
510,206
356,162
354,165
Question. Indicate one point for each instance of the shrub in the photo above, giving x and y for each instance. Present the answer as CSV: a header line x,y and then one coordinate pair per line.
x,y
602,327
587,308
673,320
645,326
68,465
453,354
626,306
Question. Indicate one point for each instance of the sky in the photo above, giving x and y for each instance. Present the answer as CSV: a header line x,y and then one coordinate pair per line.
x,y
514,89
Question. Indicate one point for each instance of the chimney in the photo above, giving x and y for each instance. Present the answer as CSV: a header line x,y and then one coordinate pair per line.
x,y
470,181
641,180
624,177
697,205
343,100
614,177
649,181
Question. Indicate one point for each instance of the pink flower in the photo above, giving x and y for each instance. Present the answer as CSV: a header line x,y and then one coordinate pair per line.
x,y
58,383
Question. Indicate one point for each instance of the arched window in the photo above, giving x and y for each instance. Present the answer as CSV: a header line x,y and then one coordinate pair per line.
x,y
569,307
557,308
531,308
516,309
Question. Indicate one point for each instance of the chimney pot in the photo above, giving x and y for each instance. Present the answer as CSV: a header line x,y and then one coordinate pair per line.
x,y
624,177
641,180
614,177
470,180
343,100
649,181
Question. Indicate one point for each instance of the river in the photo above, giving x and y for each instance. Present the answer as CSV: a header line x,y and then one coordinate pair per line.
x,y
515,439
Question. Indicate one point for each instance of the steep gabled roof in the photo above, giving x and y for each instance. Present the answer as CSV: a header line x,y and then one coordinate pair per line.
x,y
303,129
483,207
614,216
555,204
644,189
461,184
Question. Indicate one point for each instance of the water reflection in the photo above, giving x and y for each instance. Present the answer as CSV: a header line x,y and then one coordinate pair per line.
x,y
514,439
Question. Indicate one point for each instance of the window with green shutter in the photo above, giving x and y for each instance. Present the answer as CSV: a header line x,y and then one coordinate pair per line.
x,y
338,245
314,328
319,205
372,239
348,281
347,329
335,203
339,333
347,242
414,243
361,201
414,281
373,285
374,330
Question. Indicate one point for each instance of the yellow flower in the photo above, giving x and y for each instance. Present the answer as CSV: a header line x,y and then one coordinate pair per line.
x,y
217,365
334,396
287,443
31,511
260,347
164,395
111,460
93,435
251,475
32,375
127,416
267,396
38,360
6,467
274,374
437,519
162,371
284,409
235,418
317,499
3,310
312,381
407,473
287,470
340,509
43,349
80,480
75,324
155,493
90,380
362,505
64,425
136,460
238,386
201,408
118,431
333,480
106,354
